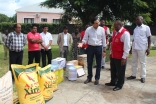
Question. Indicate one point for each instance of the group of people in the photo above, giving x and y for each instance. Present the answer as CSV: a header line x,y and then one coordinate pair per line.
x,y
37,44
96,36
92,41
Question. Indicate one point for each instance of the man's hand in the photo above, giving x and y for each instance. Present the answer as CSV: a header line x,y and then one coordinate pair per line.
x,y
46,48
103,54
39,41
123,62
147,52
80,45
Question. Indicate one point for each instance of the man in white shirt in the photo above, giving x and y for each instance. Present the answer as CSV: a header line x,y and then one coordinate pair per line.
x,y
140,48
96,39
46,46
107,33
120,47
64,42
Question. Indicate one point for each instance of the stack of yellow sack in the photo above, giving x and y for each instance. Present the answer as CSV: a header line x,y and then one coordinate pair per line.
x,y
27,84
45,81
34,85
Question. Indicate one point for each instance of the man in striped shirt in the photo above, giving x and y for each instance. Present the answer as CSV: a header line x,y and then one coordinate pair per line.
x,y
15,42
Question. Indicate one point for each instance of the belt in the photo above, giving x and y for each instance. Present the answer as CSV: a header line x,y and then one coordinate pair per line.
x,y
95,45
65,46
16,51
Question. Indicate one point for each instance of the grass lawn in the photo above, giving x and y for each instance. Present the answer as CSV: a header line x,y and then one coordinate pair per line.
x,y
4,64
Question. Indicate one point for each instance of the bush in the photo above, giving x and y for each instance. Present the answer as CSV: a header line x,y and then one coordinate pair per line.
x,y
53,28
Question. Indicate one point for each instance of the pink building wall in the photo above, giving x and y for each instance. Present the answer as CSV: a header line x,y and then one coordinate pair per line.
x,y
49,16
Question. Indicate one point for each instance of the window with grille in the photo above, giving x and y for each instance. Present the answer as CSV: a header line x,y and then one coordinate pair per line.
x,y
28,20
43,19
56,21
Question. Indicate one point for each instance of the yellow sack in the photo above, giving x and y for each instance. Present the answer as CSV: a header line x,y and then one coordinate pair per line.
x,y
27,84
60,76
56,76
55,87
45,81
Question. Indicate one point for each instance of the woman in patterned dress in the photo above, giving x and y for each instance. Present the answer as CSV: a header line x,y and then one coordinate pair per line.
x,y
76,39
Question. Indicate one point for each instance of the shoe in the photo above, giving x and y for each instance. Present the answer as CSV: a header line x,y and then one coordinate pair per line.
x,y
131,77
116,88
109,84
96,82
87,81
94,66
103,67
142,80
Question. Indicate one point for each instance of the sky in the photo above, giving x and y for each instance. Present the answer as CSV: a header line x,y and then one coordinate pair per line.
x,y
8,7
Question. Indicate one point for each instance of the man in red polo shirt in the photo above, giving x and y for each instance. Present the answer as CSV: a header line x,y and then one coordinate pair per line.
x,y
34,41
120,47
83,50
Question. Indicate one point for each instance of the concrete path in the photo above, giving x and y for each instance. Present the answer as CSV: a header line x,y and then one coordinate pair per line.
x,y
133,92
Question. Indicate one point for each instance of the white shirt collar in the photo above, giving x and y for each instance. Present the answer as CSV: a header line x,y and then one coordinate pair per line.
x,y
120,30
64,33
140,26
96,28
45,33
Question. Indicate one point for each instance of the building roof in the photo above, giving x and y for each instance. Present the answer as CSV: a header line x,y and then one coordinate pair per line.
x,y
38,8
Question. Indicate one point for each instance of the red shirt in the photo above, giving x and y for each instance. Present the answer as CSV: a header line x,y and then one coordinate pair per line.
x,y
82,35
33,46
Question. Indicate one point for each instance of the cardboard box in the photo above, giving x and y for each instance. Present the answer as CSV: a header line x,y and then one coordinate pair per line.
x,y
82,60
75,62
58,63
80,71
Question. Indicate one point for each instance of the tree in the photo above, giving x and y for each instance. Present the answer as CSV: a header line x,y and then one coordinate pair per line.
x,y
152,9
4,18
108,9
13,19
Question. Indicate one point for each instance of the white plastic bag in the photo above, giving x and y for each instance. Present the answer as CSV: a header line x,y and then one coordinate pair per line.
x,y
6,89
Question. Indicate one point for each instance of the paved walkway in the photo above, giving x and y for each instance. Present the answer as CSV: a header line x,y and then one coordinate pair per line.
x,y
133,92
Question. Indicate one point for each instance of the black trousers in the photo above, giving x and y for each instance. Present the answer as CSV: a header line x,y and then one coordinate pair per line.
x,y
117,72
91,51
15,58
32,55
44,54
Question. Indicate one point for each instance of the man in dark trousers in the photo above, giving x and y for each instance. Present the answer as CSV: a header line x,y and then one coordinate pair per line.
x,y
34,41
46,46
15,42
120,47
107,33
96,39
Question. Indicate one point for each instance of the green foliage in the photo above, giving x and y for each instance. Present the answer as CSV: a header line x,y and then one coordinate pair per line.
x,y
110,9
53,28
4,18
13,19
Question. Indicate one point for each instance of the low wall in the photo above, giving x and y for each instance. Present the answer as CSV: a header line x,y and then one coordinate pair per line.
x,y
55,36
